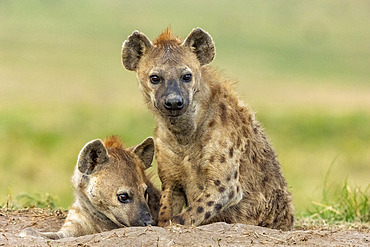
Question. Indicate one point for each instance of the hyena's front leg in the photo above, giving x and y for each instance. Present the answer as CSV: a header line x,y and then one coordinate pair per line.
x,y
165,213
172,202
216,197
178,201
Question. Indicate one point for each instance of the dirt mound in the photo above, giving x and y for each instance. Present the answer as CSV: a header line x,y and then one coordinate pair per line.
x,y
218,234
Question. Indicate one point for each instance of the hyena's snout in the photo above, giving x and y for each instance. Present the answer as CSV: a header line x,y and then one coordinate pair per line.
x,y
174,101
143,218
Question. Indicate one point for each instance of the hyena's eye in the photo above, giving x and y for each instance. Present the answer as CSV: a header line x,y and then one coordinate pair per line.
x,y
123,198
186,78
154,79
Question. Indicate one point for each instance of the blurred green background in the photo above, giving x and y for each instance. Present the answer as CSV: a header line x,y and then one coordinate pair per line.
x,y
303,66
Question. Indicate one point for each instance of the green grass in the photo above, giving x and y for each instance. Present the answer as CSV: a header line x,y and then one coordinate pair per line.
x,y
347,204
303,66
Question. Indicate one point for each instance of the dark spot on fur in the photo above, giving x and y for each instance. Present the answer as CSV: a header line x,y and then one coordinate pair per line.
x,y
211,159
189,209
231,194
265,180
237,189
162,213
199,200
210,203
254,157
163,188
200,210
245,132
231,152
238,142
218,207
208,195
222,159
178,219
291,219
217,182
201,187
211,124
221,189
223,115
236,175
228,178
207,215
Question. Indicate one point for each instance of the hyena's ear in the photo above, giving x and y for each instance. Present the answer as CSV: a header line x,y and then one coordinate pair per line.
x,y
92,155
133,48
202,45
145,151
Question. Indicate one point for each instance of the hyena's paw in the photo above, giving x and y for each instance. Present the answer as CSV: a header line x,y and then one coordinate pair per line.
x,y
30,232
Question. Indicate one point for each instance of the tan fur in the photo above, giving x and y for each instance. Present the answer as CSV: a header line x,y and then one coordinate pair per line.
x,y
104,173
214,160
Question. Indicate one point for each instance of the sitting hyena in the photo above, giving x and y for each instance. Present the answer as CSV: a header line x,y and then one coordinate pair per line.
x,y
111,190
213,157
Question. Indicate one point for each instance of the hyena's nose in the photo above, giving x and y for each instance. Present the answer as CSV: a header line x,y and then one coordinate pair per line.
x,y
174,102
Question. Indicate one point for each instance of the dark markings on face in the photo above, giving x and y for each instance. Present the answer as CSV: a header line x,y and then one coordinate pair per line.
x,y
217,183
164,207
221,189
200,210
212,123
231,152
210,203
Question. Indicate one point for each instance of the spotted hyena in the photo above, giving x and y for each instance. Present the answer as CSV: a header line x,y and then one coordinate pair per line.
x,y
214,160
111,190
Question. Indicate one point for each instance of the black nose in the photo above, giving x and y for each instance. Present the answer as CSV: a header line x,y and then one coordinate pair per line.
x,y
174,102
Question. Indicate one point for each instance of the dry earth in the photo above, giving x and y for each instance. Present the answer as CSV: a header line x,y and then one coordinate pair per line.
x,y
219,234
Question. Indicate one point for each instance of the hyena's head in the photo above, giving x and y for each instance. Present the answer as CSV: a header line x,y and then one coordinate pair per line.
x,y
112,180
168,70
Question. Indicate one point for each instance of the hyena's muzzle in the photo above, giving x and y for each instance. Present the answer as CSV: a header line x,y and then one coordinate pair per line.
x,y
172,98
143,217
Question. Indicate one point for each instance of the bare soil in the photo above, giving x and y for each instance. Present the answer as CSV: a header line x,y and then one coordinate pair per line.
x,y
218,234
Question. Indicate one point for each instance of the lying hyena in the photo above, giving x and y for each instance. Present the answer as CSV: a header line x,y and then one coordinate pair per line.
x,y
111,190
213,156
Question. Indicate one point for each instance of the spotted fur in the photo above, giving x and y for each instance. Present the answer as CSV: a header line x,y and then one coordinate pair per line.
x,y
214,160
106,173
